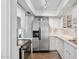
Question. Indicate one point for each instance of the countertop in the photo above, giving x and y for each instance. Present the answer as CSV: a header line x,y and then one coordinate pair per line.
x,y
22,41
25,38
65,38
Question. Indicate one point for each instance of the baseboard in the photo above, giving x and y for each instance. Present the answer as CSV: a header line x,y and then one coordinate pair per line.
x,y
41,51
53,50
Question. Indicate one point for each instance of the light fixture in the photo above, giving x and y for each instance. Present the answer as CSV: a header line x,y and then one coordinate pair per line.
x,y
45,5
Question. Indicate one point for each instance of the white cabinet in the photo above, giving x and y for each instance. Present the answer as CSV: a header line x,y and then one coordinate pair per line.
x,y
66,54
65,50
35,25
52,43
69,51
60,46
67,21
57,44
73,56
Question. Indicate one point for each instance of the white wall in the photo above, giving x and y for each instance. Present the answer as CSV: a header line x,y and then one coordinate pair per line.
x,y
9,49
56,22
74,19
5,29
74,12
21,14
14,48
29,26
26,21
61,22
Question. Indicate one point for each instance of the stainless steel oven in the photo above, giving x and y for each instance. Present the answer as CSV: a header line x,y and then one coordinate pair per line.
x,y
25,51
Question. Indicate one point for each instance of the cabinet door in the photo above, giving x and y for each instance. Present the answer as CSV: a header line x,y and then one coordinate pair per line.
x,y
57,44
66,54
60,46
73,56
52,43
35,25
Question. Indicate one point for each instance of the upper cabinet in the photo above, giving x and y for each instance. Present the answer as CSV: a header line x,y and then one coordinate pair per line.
x,y
67,21
69,13
70,17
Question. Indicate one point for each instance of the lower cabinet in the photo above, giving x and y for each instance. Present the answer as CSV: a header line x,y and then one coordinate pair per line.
x,y
52,43
66,54
69,55
60,46
73,56
65,50
57,44
69,51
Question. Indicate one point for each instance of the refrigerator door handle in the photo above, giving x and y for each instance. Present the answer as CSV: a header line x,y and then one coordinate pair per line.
x,y
39,34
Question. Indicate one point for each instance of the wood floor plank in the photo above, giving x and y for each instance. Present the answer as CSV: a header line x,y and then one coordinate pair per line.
x,y
47,55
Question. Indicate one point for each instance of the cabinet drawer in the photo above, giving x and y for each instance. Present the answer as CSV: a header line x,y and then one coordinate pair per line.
x,y
70,48
73,50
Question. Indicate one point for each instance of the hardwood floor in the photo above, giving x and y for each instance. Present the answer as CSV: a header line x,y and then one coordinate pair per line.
x,y
45,55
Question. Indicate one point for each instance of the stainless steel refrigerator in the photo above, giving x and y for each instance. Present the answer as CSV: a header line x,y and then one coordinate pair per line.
x,y
42,43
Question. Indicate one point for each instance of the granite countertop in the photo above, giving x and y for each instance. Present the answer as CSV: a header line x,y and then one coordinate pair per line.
x,y
66,38
25,38
22,41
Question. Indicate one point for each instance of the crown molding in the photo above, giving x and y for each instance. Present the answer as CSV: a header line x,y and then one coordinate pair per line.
x,y
49,12
30,6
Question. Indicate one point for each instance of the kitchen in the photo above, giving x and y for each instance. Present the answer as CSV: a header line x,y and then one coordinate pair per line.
x,y
45,29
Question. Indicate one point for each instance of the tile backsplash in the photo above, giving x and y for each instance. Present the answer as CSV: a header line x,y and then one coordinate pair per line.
x,y
63,31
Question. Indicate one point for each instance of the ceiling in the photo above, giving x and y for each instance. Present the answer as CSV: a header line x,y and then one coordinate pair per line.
x,y
49,7
51,4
